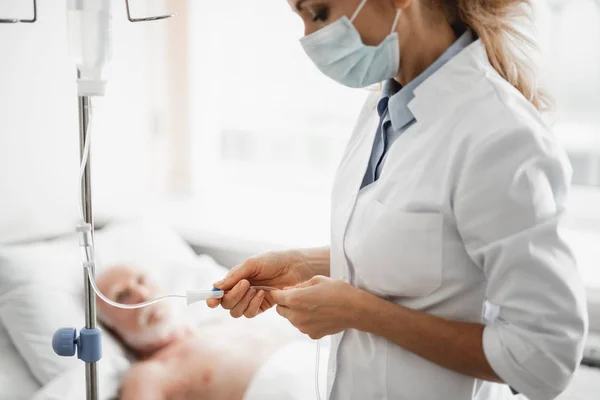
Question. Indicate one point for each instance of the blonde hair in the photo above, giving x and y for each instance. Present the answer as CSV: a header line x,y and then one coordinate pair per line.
x,y
507,47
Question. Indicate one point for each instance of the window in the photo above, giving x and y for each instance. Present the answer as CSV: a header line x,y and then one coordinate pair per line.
x,y
569,36
267,129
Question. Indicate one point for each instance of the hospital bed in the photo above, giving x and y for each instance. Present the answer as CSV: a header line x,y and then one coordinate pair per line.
x,y
40,291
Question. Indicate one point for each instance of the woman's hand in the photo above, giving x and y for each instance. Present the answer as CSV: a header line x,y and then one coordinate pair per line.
x,y
319,307
275,269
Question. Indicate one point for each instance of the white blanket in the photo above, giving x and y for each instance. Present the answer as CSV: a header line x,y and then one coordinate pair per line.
x,y
290,373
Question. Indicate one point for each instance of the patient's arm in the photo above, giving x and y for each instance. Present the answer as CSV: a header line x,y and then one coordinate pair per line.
x,y
145,380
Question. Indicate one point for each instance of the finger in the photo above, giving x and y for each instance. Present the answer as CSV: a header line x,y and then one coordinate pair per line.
x,y
235,295
227,279
240,308
283,311
280,296
269,302
236,274
213,303
311,282
254,308
315,280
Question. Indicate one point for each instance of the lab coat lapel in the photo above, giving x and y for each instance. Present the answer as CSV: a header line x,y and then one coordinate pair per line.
x,y
343,199
352,170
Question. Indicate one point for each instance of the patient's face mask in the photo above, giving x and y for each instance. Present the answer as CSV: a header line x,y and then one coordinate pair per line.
x,y
339,52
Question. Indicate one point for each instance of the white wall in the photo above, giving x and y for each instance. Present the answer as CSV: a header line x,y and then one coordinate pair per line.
x,y
39,128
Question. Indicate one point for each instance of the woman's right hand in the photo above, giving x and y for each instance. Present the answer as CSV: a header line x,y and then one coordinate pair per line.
x,y
278,269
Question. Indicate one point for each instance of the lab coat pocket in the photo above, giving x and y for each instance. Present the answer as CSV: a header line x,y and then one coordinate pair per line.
x,y
402,253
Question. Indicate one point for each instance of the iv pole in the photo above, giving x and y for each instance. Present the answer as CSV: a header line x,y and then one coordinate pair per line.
x,y
91,372
65,342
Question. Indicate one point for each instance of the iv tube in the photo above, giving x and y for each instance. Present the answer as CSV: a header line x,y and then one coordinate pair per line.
x,y
317,390
85,234
128,306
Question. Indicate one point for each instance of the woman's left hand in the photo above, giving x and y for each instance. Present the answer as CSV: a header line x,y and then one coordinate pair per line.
x,y
319,307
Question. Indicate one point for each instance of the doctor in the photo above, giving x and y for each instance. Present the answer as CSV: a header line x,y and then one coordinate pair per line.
x,y
447,277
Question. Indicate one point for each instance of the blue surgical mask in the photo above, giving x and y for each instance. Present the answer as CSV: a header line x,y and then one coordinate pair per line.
x,y
338,52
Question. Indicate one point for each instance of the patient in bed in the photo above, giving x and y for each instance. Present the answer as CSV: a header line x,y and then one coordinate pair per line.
x,y
174,360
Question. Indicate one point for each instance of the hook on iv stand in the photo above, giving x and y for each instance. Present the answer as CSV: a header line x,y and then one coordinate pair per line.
x,y
146,19
23,21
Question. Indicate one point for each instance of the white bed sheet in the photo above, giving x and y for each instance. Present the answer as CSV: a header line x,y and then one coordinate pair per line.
x,y
16,382
71,384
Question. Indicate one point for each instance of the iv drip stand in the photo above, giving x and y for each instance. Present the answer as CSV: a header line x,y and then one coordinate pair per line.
x,y
91,372
65,341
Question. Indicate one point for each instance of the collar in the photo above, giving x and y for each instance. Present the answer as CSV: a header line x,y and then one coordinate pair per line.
x,y
396,98
468,70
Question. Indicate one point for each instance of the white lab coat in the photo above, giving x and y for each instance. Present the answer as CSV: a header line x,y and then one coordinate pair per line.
x,y
467,210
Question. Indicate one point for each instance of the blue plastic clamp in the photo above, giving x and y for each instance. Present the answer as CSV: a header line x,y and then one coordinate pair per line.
x,y
88,345
64,342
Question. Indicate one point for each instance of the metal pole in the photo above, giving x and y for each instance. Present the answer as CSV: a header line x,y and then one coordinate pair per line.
x,y
91,372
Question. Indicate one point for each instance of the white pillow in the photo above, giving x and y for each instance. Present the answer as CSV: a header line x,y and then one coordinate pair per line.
x,y
41,285
16,382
